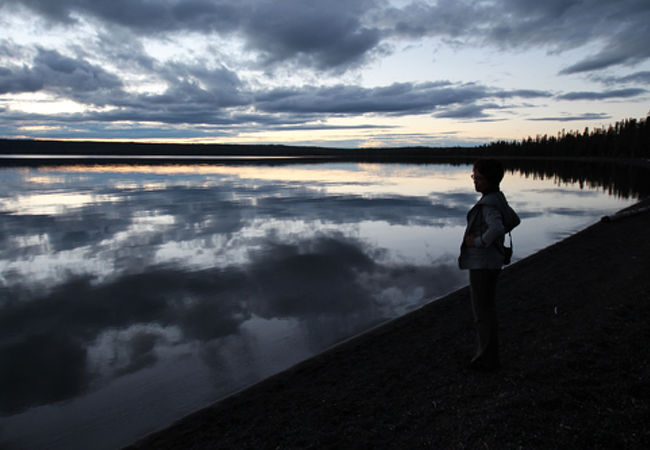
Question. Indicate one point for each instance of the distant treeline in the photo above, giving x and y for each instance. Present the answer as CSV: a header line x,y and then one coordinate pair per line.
x,y
626,139
614,159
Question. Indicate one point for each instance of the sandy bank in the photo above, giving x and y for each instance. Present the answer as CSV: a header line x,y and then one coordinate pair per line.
x,y
575,346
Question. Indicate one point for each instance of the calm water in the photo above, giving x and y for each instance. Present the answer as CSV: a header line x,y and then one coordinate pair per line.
x,y
133,295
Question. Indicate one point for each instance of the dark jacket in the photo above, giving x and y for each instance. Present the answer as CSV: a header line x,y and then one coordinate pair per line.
x,y
489,219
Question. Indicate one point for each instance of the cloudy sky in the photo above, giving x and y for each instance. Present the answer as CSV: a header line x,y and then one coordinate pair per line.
x,y
340,73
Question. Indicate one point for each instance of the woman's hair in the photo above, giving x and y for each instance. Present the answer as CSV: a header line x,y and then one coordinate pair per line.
x,y
491,169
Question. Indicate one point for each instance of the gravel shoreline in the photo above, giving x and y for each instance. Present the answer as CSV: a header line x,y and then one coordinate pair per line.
x,y
574,323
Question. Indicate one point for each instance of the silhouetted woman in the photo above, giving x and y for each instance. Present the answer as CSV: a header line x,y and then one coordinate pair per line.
x,y
483,253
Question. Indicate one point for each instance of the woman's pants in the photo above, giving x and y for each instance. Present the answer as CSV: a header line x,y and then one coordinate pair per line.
x,y
483,283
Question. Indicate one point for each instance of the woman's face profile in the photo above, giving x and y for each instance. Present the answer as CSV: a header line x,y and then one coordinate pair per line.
x,y
481,184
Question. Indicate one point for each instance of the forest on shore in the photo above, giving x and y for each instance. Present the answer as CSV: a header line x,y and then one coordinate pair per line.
x,y
627,139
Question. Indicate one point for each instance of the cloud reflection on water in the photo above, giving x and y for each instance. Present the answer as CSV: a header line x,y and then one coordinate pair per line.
x,y
327,276
181,274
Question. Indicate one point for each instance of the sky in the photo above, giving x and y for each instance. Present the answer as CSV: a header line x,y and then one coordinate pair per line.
x,y
336,73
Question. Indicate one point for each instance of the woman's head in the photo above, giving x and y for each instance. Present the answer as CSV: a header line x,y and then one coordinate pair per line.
x,y
487,175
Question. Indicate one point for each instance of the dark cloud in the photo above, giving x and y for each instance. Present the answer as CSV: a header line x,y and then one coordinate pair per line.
x,y
352,99
334,127
618,93
642,77
62,75
599,61
54,11
559,25
628,46
318,34
569,118
216,88
398,98
465,112
522,93
18,80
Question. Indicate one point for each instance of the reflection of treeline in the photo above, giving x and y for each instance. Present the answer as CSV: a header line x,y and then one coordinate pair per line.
x,y
621,180
627,139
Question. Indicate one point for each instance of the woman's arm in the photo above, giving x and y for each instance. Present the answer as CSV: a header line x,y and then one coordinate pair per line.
x,y
495,229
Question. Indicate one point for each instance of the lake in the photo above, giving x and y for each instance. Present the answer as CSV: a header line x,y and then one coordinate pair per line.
x,y
134,294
